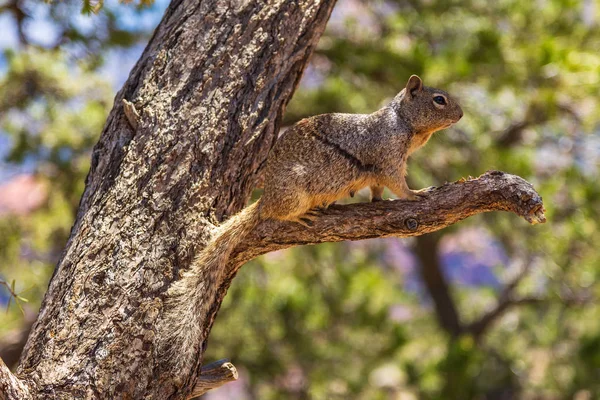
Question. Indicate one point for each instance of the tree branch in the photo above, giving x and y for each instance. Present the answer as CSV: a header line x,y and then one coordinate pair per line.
x,y
506,300
444,206
479,327
11,388
214,375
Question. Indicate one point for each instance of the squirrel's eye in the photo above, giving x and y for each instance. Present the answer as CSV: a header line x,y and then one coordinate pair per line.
x,y
440,100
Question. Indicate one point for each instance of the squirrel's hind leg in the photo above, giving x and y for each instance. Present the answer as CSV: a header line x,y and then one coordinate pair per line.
x,y
286,205
376,193
308,218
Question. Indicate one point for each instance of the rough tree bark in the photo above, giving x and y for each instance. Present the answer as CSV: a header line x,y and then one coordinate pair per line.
x,y
209,91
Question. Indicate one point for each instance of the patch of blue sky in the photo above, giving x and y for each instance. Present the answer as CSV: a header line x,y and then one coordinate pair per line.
x,y
135,19
8,39
5,144
39,28
6,170
8,32
9,170
119,63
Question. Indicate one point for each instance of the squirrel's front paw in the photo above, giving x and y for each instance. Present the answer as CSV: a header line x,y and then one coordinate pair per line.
x,y
425,192
410,195
418,194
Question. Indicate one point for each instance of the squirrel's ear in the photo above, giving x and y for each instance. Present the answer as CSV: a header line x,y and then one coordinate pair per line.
x,y
414,85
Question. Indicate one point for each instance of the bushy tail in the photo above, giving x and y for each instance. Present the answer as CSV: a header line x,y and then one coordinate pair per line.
x,y
190,298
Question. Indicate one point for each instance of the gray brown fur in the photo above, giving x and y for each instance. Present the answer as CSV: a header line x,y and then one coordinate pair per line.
x,y
328,157
316,162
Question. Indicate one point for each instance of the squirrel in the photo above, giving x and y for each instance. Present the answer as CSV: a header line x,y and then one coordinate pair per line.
x,y
317,161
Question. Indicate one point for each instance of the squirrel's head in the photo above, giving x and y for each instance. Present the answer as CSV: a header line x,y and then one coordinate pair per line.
x,y
425,108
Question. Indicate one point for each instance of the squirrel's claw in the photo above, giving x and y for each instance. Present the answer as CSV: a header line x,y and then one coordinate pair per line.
x,y
414,195
312,214
304,222
427,190
324,206
308,217
422,193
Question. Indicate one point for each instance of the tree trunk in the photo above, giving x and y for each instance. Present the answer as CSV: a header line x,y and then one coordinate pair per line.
x,y
210,90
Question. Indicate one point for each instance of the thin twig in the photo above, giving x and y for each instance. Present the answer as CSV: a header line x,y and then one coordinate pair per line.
x,y
13,295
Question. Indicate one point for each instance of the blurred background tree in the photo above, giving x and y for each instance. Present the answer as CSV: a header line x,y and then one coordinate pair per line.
x,y
487,309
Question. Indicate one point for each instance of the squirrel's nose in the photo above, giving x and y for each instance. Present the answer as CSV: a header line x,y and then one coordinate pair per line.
x,y
460,115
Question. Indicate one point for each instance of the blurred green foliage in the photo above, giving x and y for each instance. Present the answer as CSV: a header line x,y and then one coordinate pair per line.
x,y
324,319
346,320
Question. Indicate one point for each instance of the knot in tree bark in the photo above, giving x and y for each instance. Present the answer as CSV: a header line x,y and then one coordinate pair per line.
x,y
412,224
